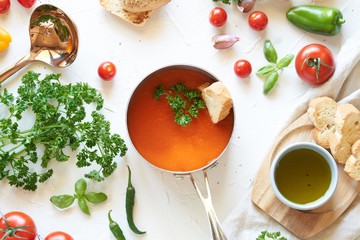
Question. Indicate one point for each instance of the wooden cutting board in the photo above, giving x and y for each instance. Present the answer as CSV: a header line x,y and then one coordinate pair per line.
x,y
303,224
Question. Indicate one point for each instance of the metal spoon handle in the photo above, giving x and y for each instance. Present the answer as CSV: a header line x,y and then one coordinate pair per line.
x,y
16,67
217,232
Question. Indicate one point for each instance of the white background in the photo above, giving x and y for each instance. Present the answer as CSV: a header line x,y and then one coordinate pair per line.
x,y
178,33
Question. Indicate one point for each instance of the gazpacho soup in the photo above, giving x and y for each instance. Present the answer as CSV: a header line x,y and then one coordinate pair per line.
x,y
159,138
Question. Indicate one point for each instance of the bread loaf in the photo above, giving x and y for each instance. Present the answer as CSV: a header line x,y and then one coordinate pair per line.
x,y
142,5
321,112
218,101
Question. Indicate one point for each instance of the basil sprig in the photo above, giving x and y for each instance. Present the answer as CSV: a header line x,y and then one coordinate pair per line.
x,y
65,201
271,70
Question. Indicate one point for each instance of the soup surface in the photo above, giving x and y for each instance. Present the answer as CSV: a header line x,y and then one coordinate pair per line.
x,y
166,144
303,176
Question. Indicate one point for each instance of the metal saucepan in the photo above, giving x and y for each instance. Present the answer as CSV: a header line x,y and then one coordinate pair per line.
x,y
215,226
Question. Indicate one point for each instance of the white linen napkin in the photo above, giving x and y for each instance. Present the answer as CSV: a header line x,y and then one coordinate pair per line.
x,y
247,221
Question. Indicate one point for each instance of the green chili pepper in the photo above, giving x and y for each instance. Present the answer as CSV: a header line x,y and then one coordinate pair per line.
x,y
316,19
129,205
115,228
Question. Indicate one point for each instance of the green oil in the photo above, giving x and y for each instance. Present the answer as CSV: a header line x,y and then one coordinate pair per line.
x,y
302,176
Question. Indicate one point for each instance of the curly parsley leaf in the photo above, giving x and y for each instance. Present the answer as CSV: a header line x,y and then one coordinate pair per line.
x,y
267,235
184,102
227,1
59,112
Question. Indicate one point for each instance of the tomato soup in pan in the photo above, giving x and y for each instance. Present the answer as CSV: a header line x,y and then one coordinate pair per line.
x,y
159,139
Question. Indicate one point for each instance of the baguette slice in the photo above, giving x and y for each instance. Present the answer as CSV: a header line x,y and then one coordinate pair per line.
x,y
352,166
116,7
142,5
322,112
340,148
218,101
347,122
355,149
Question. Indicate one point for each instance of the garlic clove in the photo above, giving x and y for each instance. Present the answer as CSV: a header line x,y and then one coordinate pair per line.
x,y
246,5
223,41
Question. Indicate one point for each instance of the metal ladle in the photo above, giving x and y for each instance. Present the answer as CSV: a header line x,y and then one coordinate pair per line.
x,y
53,37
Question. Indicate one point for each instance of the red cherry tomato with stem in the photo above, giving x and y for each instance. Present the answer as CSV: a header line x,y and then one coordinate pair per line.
x,y
27,3
16,221
4,6
217,17
315,64
107,70
258,20
58,235
242,68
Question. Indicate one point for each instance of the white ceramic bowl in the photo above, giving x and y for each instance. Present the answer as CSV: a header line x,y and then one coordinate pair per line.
x,y
333,168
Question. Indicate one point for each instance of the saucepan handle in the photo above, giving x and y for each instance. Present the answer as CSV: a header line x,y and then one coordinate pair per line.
x,y
217,232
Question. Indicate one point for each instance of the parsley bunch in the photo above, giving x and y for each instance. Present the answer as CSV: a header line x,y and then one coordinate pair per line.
x,y
59,112
183,109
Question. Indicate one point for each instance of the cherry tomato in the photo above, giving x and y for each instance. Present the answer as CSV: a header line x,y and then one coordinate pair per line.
x,y
315,63
258,20
27,3
217,17
107,70
17,220
58,235
242,68
4,6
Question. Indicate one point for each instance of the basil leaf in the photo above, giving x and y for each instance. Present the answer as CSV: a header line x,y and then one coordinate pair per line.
x,y
96,197
62,201
80,187
270,52
83,206
265,70
270,82
285,61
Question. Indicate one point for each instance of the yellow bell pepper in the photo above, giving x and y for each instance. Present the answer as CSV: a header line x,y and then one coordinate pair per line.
x,y
5,39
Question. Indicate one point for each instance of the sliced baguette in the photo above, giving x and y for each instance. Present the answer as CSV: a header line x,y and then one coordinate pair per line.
x,y
347,122
355,149
352,166
218,101
116,7
322,112
142,5
340,148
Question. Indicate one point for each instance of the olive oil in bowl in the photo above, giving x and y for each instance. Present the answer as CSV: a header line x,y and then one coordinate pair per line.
x,y
304,176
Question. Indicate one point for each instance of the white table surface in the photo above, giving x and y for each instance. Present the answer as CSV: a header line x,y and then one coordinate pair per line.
x,y
179,33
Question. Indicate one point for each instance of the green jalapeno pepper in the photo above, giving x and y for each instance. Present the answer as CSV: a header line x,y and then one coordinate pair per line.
x,y
316,19
129,205
115,228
